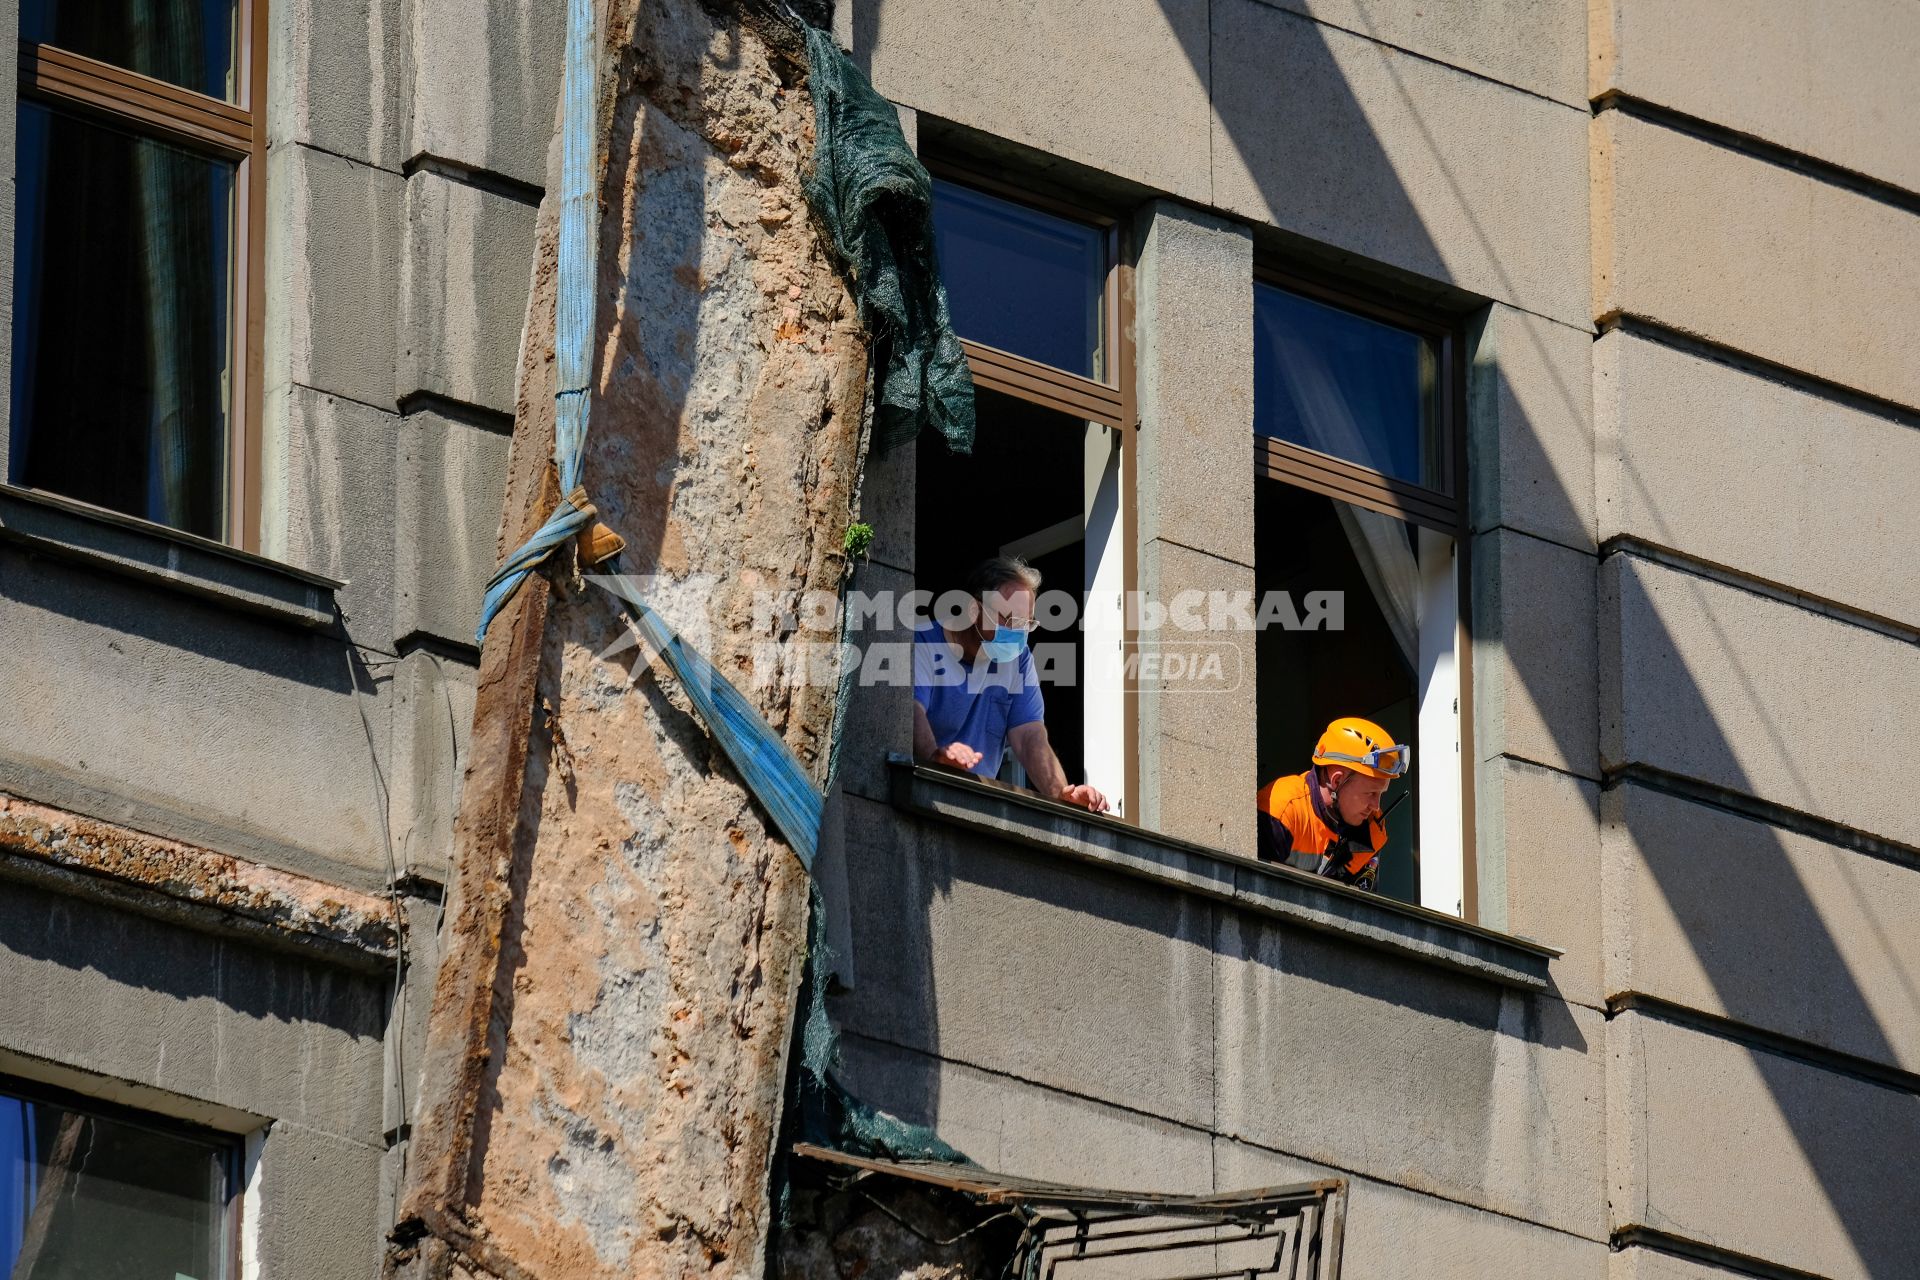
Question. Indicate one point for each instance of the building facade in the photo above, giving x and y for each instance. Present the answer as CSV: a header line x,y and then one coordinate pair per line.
x,y
1543,361
231,759
1656,237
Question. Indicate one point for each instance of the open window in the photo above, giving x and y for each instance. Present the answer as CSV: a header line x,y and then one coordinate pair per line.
x,y
1035,297
1360,469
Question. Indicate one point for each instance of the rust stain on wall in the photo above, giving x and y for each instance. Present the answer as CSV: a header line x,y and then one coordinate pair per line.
x,y
608,1049
195,886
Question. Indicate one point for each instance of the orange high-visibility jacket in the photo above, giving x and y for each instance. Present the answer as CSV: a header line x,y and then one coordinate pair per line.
x,y
1288,803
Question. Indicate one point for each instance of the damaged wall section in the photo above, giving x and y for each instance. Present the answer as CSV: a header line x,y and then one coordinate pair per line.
x,y
611,1025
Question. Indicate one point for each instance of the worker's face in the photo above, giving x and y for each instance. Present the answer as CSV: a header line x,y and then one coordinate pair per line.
x,y
1359,796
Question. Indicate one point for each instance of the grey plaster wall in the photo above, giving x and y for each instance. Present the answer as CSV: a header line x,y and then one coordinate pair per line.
x,y
407,150
1399,160
1734,466
1752,694
282,1050
1699,901
1687,568
1755,910
1822,1152
175,715
1688,545
1074,1023
462,291
10,86
1391,1230
1194,291
485,81
1822,84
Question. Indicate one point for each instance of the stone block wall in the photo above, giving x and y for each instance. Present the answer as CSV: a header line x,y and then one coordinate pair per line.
x,y
1756,630
321,737
1675,237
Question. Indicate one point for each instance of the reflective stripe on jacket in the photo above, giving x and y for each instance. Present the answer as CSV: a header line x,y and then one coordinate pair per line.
x,y
1290,823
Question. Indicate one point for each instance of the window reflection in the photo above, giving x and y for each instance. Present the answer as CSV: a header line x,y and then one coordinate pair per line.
x,y
1024,281
122,313
1346,385
81,1195
185,42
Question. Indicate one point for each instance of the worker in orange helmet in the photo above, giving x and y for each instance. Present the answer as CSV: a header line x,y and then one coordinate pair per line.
x,y
1328,819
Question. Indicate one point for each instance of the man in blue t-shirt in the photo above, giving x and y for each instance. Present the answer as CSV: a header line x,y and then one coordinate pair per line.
x,y
975,692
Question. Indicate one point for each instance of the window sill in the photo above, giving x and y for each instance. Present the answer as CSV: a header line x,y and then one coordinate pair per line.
x,y
1259,887
137,548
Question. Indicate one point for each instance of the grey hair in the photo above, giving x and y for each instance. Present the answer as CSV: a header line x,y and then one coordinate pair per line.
x,y
991,575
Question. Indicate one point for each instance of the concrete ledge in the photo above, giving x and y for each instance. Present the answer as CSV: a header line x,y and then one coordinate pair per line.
x,y
1258,887
137,548
194,887
1803,1148
1822,81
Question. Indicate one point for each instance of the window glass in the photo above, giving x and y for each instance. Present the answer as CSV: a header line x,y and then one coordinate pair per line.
x,y
123,257
185,42
85,1196
1345,385
1027,282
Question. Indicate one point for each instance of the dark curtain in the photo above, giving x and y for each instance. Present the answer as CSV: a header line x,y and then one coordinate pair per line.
x,y
124,288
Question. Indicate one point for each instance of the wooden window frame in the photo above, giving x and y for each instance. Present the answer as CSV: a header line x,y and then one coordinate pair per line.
x,y
231,131
1444,511
1109,401
34,1091
1104,400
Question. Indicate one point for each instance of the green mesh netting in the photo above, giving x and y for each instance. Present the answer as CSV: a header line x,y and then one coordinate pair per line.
x,y
876,201
825,1113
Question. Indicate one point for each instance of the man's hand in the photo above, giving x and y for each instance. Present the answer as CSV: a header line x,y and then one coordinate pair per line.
x,y
1084,797
956,755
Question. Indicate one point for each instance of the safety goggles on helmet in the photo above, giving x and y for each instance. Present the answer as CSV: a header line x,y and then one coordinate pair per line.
x,y
1391,761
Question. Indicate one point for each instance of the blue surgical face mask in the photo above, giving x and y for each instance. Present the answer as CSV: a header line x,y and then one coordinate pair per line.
x,y
1005,645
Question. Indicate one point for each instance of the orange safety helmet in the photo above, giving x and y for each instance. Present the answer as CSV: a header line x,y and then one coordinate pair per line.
x,y
1364,747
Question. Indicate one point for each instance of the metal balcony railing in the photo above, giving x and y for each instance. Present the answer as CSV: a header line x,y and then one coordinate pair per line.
x,y
1081,1233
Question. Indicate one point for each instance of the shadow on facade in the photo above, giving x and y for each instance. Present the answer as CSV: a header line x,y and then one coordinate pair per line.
x,y
187,965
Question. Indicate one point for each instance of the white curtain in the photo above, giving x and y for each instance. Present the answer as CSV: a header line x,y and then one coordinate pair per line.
x,y
1380,544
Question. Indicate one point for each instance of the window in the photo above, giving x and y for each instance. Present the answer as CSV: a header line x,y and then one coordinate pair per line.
x,y
1359,460
86,1194
139,222
1035,291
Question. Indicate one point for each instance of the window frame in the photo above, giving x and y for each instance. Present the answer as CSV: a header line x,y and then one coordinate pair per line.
x,y
232,131
1418,505
1111,401
1442,510
235,1162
